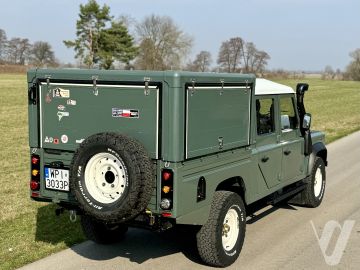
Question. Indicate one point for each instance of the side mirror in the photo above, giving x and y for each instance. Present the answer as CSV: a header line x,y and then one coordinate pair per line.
x,y
306,121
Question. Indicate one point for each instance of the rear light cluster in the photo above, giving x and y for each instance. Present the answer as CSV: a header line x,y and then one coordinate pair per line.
x,y
167,183
35,175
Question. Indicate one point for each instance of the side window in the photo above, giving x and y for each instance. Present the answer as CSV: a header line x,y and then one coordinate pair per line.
x,y
265,116
288,115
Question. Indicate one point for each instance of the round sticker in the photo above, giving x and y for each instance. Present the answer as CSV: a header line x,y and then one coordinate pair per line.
x,y
64,139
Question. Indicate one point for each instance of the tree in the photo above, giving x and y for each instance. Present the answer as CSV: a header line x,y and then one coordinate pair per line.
x,y
353,69
230,55
92,21
42,54
201,63
236,55
162,44
116,44
328,73
3,41
17,50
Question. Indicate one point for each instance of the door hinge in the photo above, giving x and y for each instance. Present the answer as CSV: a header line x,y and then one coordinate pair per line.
x,y
192,91
222,87
95,88
147,82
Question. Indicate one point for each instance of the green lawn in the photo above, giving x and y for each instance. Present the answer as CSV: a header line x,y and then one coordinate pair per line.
x,y
30,230
334,105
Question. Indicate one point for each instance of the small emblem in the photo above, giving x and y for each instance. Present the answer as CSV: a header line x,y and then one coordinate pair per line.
x,y
61,107
62,114
125,113
64,138
61,93
71,102
48,98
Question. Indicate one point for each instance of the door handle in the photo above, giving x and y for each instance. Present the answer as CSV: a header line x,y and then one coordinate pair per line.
x,y
265,159
287,152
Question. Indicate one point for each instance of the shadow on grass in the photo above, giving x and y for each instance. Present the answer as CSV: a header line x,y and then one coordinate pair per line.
x,y
56,229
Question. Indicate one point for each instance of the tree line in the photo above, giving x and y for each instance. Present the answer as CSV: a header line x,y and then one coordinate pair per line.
x,y
157,44
154,43
20,51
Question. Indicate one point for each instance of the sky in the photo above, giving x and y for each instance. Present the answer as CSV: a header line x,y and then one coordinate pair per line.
x,y
298,35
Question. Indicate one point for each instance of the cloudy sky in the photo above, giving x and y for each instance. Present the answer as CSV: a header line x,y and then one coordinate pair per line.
x,y
298,34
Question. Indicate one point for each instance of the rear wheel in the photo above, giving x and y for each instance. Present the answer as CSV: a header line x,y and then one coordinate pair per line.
x,y
220,240
101,233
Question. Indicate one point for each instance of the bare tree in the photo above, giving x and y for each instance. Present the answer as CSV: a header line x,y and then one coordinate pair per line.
x,y
18,50
237,55
328,73
260,62
42,54
353,69
201,63
162,44
3,41
229,57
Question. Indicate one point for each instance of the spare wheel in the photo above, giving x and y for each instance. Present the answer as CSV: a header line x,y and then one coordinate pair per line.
x,y
111,176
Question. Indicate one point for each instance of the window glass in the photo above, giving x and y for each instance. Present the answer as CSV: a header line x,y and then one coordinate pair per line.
x,y
265,116
288,115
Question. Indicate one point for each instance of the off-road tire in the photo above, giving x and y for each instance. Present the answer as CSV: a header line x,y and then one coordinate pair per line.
x,y
308,197
138,169
209,238
101,233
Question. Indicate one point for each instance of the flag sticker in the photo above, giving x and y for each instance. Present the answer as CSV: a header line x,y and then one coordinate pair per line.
x,y
125,113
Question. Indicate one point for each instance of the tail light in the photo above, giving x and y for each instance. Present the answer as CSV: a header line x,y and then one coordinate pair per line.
x,y
167,184
35,174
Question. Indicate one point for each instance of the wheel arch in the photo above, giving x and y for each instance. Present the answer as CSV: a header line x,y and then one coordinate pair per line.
x,y
235,184
319,150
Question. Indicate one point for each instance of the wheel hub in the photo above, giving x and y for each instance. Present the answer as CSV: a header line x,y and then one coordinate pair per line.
x,y
318,182
105,177
230,229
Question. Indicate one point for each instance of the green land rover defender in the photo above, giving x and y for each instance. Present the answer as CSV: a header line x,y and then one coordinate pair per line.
x,y
157,149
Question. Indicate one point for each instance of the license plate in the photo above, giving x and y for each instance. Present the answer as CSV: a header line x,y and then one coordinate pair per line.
x,y
57,179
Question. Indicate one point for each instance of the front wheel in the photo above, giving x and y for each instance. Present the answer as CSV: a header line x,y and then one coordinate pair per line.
x,y
220,239
314,192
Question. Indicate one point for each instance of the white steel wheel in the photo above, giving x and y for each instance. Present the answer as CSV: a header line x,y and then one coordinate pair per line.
x,y
318,182
105,177
231,229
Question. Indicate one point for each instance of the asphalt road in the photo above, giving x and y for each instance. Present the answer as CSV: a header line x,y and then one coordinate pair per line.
x,y
276,238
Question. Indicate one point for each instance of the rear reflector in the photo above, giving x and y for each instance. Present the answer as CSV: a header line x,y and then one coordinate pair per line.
x,y
34,185
166,214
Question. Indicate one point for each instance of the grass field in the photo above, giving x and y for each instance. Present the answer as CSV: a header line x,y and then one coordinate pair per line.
x,y
30,231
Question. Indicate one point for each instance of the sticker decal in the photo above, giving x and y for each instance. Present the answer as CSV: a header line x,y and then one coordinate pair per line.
x,y
61,107
61,93
64,138
80,141
56,141
125,113
62,114
47,139
71,102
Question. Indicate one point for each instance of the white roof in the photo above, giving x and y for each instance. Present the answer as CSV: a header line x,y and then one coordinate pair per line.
x,y
266,87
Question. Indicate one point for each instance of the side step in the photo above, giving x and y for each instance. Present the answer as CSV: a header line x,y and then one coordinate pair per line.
x,y
292,191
